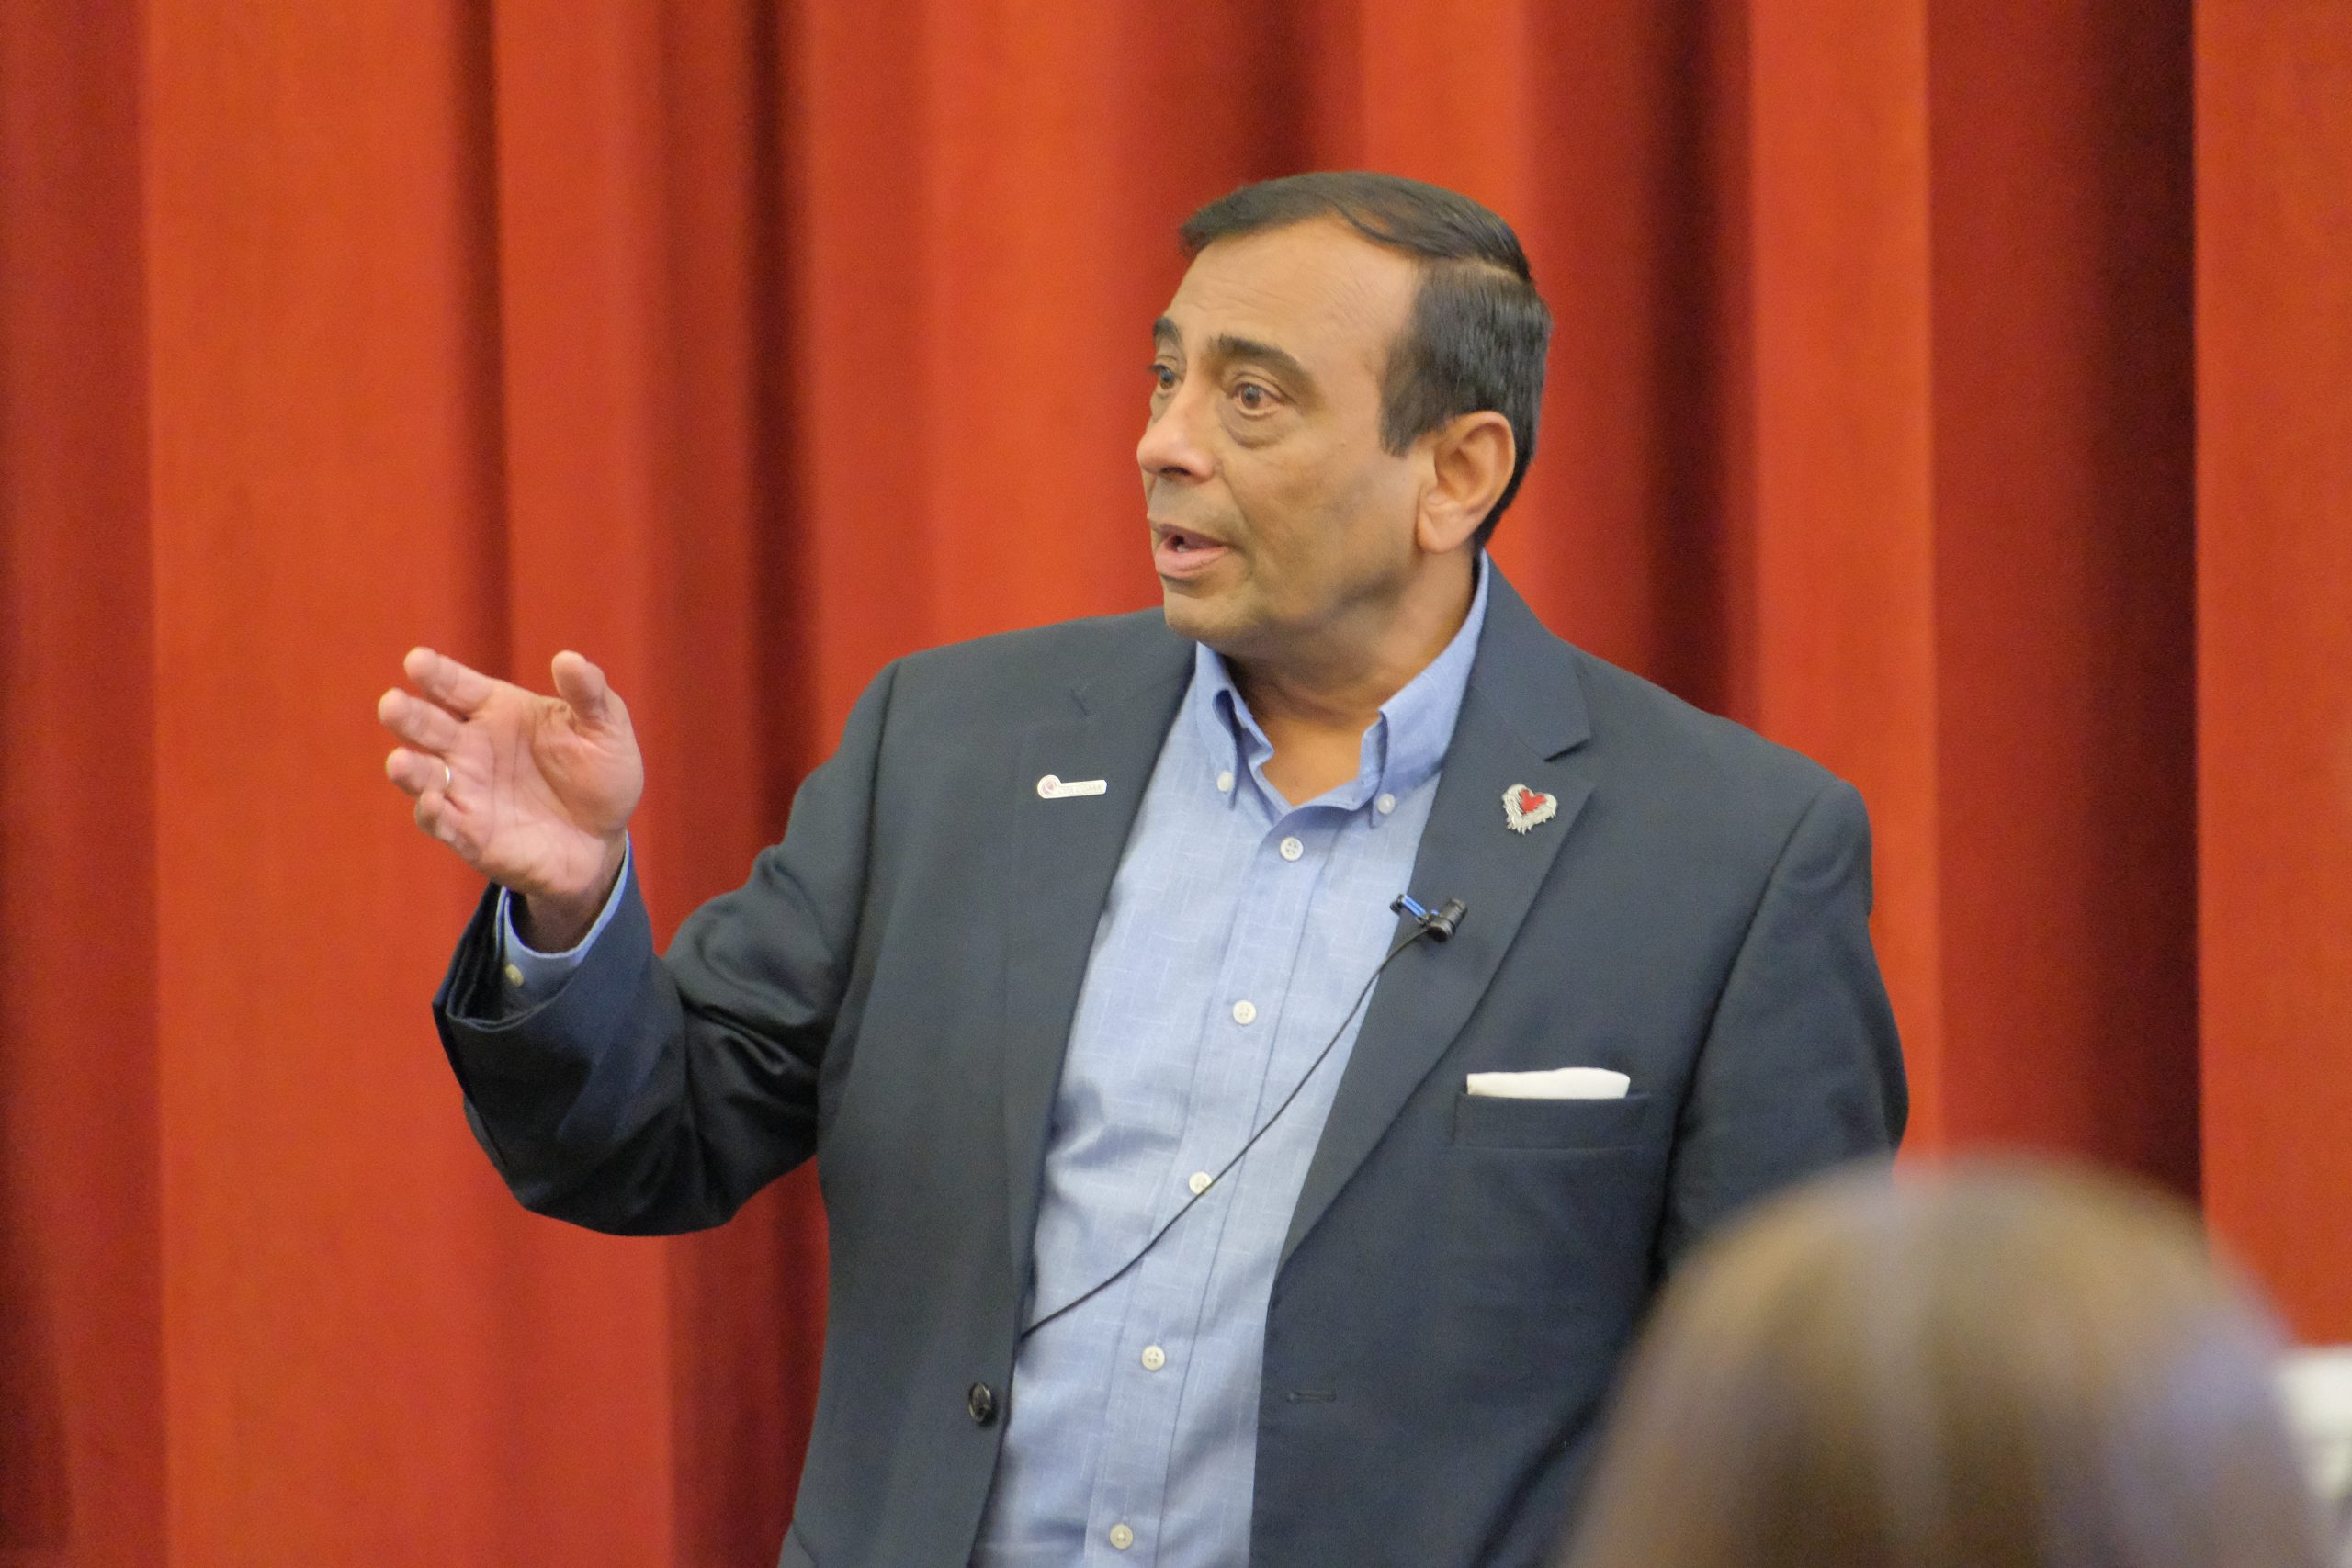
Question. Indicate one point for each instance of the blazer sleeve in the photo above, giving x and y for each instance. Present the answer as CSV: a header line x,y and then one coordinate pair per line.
x,y
652,1096
1801,1068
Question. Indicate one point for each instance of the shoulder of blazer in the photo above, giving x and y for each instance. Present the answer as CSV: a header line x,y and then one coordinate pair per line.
x,y
1042,670
1646,726
1623,727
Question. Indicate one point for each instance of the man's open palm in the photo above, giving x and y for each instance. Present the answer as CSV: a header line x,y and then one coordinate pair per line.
x,y
533,792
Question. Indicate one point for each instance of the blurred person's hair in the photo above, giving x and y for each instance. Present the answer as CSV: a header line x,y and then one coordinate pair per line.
x,y
1992,1366
1478,331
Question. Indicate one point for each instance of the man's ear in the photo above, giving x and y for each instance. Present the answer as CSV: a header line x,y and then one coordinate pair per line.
x,y
1470,462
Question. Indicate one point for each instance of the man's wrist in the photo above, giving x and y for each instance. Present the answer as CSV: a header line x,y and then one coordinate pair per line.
x,y
554,923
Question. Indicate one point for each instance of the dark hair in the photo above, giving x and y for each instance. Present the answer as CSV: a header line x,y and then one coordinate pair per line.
x,y
1995,1365
1478,330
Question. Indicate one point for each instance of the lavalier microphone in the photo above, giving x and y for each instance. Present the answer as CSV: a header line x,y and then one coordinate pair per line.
x,y
1436,924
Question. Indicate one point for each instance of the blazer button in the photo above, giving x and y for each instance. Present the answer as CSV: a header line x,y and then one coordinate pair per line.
x,y
981,1401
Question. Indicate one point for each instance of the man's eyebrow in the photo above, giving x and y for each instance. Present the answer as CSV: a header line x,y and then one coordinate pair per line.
x,y
1226,345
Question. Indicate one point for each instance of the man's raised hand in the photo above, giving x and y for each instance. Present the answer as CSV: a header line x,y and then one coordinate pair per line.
x,y
535,792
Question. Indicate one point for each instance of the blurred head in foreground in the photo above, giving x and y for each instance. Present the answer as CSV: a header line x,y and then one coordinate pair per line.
x,y
1983,1366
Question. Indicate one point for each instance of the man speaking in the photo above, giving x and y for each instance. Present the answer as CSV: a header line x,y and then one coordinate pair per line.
x,y
1261,1056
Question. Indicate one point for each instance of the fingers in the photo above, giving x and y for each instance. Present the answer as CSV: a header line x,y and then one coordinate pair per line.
x,y
583,686
425,780
432,726
416,773
446,682
418,722
440,820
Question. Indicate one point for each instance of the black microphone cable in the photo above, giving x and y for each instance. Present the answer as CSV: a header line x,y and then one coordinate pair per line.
x,y
1436,924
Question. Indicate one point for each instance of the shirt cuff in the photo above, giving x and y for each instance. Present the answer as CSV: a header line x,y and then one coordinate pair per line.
x,y
534,973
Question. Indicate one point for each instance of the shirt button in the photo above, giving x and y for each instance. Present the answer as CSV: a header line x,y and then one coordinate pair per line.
x,y
1199,1182
1154,1358
1122,1537
1385,805
1225,782
513,973
1293,849
1245,1012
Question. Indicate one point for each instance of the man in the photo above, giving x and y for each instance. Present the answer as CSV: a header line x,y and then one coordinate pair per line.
x,y
1152,1240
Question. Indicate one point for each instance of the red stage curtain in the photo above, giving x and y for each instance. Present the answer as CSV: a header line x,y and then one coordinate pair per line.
x,y
1927,373
2274,604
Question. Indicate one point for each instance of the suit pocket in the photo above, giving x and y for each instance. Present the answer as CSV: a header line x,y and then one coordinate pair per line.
x,y
1559,1126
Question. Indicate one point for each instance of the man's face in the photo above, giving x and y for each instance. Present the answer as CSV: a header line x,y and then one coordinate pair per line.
x,y
1273,511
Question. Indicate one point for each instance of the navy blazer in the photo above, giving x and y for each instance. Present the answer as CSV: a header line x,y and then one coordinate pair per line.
x,y
892,990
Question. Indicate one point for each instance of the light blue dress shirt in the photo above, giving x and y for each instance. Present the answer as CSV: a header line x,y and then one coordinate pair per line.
x,y
1239,931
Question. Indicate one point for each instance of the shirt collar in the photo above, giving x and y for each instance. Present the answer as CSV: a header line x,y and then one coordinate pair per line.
x,y
1402,748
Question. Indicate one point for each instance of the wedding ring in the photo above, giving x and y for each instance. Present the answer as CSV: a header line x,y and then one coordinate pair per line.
x,y
448,776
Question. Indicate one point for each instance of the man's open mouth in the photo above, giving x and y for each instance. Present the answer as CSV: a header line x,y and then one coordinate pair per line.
x,y
1182,552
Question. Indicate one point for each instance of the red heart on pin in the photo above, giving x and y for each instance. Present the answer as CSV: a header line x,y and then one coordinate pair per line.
x,y
1525,808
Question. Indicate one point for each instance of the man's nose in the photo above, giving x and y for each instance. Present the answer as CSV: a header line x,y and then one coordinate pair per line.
x,y
1171,445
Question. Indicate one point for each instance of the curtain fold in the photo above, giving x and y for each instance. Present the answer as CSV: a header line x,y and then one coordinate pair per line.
x,y
81,1425
2274,672
1955,391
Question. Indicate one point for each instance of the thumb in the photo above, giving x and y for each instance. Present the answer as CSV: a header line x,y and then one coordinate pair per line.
x,y
581,684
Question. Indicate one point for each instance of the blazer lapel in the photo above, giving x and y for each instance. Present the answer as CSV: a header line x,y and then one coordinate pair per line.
x,y
1065,851
1521,715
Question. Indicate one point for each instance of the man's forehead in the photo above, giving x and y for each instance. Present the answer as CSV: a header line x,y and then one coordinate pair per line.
x,y
1316,288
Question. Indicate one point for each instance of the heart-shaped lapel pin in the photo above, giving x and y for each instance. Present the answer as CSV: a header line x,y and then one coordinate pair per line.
x,y
1524,808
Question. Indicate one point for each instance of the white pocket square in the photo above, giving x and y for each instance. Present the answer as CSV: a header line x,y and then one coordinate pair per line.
x,y
1558,1083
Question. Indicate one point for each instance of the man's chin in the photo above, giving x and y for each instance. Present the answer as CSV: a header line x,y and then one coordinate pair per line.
x,y
1218,620
1203,617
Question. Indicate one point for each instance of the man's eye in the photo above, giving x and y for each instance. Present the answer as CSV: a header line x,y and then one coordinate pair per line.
x,y
1163,378
1253,398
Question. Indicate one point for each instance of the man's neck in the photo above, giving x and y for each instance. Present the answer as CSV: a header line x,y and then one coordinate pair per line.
x,y
1315,704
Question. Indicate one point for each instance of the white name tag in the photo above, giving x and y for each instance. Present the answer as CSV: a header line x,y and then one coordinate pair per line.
x,y
1052,788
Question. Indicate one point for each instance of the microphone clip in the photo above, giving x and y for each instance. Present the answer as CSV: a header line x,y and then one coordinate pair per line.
x,y
1436,924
